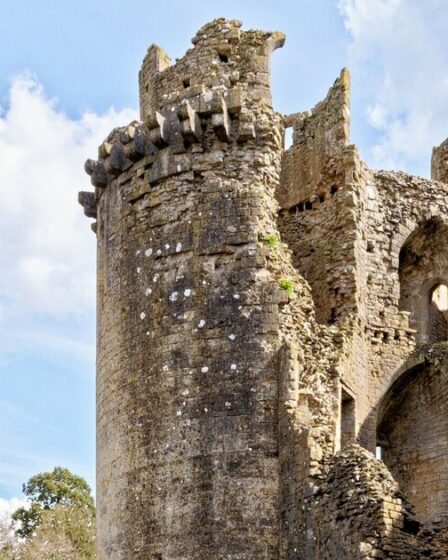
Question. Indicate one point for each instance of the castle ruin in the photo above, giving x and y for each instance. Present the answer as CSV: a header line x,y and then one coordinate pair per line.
x,y
272,325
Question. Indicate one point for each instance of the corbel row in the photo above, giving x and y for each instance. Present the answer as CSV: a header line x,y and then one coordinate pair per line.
x,y
165,139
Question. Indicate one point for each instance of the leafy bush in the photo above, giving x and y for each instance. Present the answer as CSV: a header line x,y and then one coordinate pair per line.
x,y
272,240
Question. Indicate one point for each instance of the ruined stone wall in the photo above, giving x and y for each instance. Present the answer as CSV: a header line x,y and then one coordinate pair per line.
x,y
317,202
224,60
348,247
362,514
392,220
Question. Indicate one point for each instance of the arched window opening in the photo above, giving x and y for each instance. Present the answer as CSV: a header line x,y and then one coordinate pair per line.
x,y
423,270
438,308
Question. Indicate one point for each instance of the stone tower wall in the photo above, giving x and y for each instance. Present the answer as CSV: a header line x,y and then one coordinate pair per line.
x,y
188,314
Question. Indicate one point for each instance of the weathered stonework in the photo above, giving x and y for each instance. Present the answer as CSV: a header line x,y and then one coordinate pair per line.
x,y
267,319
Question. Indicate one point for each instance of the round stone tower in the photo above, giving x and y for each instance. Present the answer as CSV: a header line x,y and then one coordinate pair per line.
x,y
187,380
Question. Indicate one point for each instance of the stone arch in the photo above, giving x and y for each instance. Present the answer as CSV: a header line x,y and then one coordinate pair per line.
x,y
412,429
408,226
422,267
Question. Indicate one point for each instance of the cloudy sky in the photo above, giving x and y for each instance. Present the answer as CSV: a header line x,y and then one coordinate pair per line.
x,y
68,74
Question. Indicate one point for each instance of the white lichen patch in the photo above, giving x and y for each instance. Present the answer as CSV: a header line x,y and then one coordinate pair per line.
x,y
142,315
148,252
232,336
179,247
174,296
204,369
201,324
148,292
187,292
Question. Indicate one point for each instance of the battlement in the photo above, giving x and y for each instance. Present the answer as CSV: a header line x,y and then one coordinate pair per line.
x,y
165,144
207,97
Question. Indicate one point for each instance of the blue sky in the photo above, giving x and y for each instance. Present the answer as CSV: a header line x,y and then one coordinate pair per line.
x,y
68,74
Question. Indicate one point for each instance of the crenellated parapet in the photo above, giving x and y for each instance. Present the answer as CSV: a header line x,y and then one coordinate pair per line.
x,y
166,143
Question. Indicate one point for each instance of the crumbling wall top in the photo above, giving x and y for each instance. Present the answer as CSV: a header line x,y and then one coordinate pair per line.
x,y
319,139
223,55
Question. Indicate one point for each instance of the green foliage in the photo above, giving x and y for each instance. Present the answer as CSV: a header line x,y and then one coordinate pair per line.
x,y
48,490
287,285
272,240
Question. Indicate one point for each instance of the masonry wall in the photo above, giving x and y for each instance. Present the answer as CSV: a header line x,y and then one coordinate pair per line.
x,y
361,512
317,218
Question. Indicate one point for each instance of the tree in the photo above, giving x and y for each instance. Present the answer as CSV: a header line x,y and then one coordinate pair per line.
x,y
48,490
64,533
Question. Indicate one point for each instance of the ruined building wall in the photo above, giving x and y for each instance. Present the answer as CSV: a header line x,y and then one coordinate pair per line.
x,y
256,309
351,248
315,203
362,513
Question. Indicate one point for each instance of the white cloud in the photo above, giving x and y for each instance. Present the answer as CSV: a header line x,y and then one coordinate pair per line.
x,y
8,507
399,54
47,250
